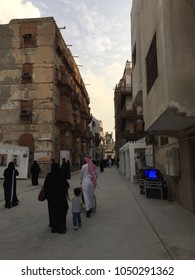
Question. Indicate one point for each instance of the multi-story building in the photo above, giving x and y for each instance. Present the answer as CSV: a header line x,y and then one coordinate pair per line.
x,y
102,140
129,125
44,104
163,57
109,146
97,144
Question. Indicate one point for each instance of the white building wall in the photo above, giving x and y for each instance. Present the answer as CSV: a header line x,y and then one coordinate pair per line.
x,y
127,155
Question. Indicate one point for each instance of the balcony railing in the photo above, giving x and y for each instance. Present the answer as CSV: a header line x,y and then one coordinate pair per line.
x,y
132,136
127,114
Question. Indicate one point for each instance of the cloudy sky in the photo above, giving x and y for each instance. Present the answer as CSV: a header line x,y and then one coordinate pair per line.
x,y
99,32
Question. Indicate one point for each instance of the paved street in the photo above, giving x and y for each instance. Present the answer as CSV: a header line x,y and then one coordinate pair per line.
x,y
125,225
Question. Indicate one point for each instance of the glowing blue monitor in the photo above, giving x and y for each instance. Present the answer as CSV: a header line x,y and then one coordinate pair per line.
x,y
151,174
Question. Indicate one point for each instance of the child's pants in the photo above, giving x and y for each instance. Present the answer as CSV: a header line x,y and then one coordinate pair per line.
x,y
76,219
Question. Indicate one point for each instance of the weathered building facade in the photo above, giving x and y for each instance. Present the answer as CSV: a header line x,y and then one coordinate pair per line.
x,y
163,61
109,146
44,104
129,125
97,141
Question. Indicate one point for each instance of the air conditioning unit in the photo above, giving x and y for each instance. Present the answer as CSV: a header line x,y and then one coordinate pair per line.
x,y
25,112
26,75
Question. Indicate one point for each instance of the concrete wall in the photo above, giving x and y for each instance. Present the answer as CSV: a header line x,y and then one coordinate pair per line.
x,y
173,21
187,184
136,45
127,155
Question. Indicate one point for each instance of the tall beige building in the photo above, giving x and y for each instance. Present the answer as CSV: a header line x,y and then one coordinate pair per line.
x,y
43,101
163,57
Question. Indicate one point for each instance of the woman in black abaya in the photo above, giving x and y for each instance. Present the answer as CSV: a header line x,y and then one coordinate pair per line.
x,y
9,185
35,170
56,191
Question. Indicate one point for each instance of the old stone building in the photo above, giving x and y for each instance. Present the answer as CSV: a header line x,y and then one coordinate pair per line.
x,y
163,58
44,104
109,146
96,150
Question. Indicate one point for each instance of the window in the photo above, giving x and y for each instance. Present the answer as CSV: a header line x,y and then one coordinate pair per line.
x,y
27,73
28,35
151,65
164,140
26,111
134,56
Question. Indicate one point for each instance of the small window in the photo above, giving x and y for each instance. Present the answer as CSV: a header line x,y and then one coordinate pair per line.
x,y
134,56
27,73
27,38
164,140
151,65
28,34
26,111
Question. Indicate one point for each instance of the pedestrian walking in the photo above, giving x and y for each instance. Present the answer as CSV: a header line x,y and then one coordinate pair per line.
x,y
102,165
76,208
68,170
88,183
65,169
9,185
56,192
35,170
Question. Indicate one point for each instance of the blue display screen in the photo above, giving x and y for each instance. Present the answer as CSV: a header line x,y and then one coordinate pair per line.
x,y
151,174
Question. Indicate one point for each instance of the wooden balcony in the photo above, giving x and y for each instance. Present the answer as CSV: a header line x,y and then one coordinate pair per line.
x,y
128,136
76,130
127,89
75,101
127,114
84,111
63,80
64,117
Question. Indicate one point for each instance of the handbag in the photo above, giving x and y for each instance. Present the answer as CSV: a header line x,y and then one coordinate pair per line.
x,y
41,196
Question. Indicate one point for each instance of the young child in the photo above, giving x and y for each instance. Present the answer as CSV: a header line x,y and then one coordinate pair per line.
x,y
76,208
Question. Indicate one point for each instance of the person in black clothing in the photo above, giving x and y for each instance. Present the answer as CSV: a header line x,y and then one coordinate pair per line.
x,y
68,169
9,185
101,165
35,170
56,192
65,169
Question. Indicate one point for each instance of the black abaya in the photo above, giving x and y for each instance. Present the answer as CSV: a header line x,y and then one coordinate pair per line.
x,y
56,193
9,185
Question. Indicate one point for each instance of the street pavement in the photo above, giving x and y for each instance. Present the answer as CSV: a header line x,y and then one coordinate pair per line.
x,y
125,226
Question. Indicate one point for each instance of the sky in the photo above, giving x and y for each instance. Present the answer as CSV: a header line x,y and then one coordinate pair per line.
x,y
100,34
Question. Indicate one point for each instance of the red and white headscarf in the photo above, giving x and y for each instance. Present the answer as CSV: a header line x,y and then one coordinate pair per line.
x,y
91,169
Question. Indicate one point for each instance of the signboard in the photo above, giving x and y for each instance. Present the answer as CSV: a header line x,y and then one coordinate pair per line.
x,y
19,155
65,154
42,157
